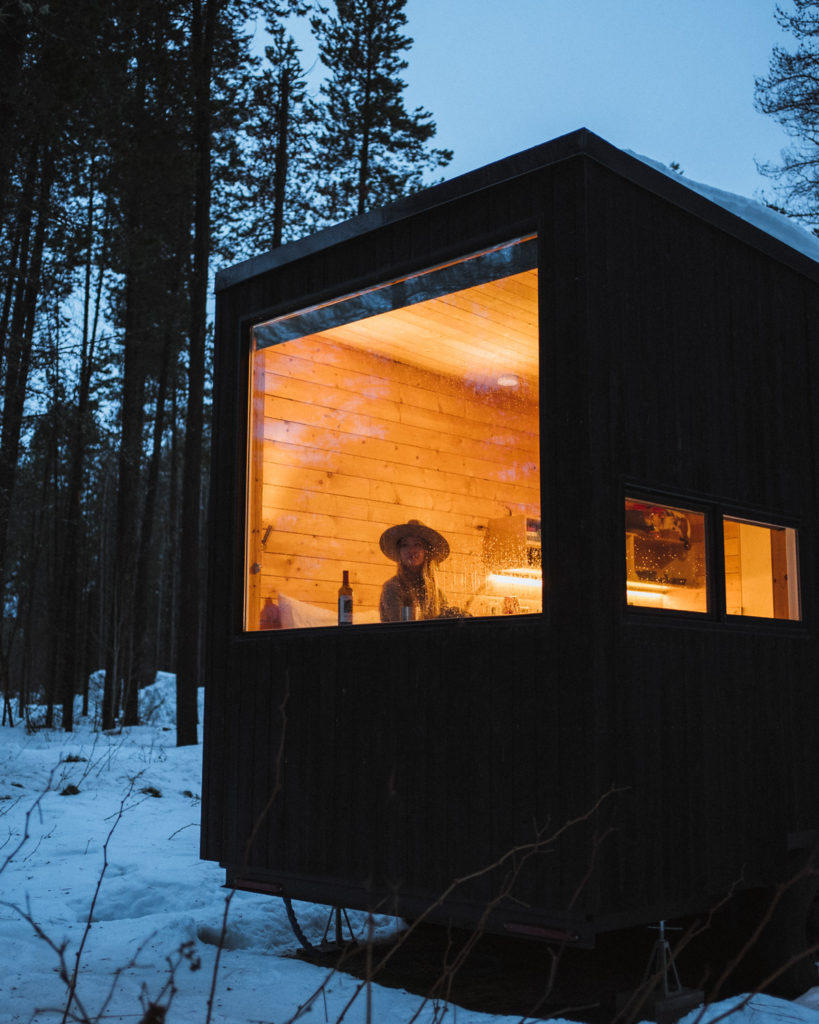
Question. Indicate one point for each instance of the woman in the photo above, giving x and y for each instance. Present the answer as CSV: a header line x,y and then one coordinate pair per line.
x,y
413,593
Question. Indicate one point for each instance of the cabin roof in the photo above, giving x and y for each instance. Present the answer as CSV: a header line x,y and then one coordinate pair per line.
x,y
747,219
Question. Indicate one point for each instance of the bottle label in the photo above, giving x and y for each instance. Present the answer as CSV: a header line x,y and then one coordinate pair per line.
x,y
345,611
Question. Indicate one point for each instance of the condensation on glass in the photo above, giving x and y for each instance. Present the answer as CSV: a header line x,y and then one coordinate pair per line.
x,y
666,565
413,400
761,576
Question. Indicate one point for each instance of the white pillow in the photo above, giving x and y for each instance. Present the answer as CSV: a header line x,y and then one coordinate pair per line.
x,y
295,614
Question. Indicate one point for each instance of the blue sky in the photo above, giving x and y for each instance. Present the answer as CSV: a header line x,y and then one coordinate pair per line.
x,y
669,79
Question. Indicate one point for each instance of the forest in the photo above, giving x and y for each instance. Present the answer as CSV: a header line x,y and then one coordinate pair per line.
x,y
143,145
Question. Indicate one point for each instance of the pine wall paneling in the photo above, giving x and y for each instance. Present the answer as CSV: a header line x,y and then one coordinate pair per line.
x,y
355,438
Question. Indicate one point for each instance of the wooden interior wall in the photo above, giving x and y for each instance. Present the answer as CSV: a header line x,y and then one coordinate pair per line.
x,y
354,442
733,572
756,570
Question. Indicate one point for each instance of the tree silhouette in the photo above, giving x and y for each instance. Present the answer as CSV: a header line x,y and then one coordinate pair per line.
x,y
370,149
788,94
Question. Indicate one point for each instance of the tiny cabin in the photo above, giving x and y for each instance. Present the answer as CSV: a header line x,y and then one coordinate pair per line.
x,y
599,387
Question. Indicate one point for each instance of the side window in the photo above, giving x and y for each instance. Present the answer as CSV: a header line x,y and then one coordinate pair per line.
x,y
666,565
761,575
670,567
393,456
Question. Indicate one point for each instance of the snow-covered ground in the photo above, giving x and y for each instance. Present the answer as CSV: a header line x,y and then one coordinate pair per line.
x,y
105,828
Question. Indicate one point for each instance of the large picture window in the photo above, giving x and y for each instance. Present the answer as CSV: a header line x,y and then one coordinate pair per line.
x,y
394,451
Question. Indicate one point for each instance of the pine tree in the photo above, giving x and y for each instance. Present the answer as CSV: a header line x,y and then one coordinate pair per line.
x,y
44,132
370,148
280,134
106,231
788,93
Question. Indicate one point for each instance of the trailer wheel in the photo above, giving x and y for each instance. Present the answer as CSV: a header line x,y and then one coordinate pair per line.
x,y
330,933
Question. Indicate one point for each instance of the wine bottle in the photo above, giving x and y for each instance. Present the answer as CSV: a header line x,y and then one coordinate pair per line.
x,y
345,601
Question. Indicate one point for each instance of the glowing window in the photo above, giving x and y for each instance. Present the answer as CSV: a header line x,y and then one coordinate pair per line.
x,y
415,401
665,557
761,576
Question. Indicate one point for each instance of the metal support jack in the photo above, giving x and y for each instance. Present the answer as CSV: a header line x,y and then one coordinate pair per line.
x,y
661,967
660,995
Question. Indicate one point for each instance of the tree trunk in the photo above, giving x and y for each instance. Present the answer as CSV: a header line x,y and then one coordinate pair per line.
x,y
13,32
280,173
168,575
18,352
142,673
19,243
203,27
72,588
18,342
129,478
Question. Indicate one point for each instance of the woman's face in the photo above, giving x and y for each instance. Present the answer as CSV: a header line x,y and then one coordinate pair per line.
x,y
412,552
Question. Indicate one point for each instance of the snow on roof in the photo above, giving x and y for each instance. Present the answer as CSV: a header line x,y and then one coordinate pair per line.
x,y
791,232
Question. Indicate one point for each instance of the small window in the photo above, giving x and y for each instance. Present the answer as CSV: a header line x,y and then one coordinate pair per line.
x,y
665,557
761,577
399,423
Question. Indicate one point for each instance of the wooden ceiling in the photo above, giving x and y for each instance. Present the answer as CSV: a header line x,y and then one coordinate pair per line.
x,y
476,334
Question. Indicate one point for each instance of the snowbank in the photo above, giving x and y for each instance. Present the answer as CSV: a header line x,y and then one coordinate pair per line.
x,y
157,703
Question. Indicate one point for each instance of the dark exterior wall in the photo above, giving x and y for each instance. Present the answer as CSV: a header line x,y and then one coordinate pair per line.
x,y
411,758
388,760
700,352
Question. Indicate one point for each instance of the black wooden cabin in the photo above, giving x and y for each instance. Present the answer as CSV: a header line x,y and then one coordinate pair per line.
x,y
556,361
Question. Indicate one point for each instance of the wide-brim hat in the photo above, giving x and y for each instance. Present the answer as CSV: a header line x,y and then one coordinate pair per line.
x,y
391,538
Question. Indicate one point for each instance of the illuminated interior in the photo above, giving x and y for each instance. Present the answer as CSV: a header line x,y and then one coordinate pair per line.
x,y
665,557
414,400
761,576
667,566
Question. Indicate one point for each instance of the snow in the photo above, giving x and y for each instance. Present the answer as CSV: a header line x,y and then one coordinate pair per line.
x,y
791,232
123,853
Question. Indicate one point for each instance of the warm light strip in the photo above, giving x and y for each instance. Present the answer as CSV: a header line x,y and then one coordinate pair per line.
x,y
651,595
639,586
531,578
645,598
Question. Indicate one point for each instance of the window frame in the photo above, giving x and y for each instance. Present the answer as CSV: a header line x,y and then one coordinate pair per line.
x,y
716,511
529,231
766,522
688,503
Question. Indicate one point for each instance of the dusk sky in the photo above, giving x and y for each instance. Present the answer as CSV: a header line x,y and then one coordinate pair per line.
x,y
669,79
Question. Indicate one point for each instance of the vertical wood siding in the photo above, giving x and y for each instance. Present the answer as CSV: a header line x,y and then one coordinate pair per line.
x,y
674,356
